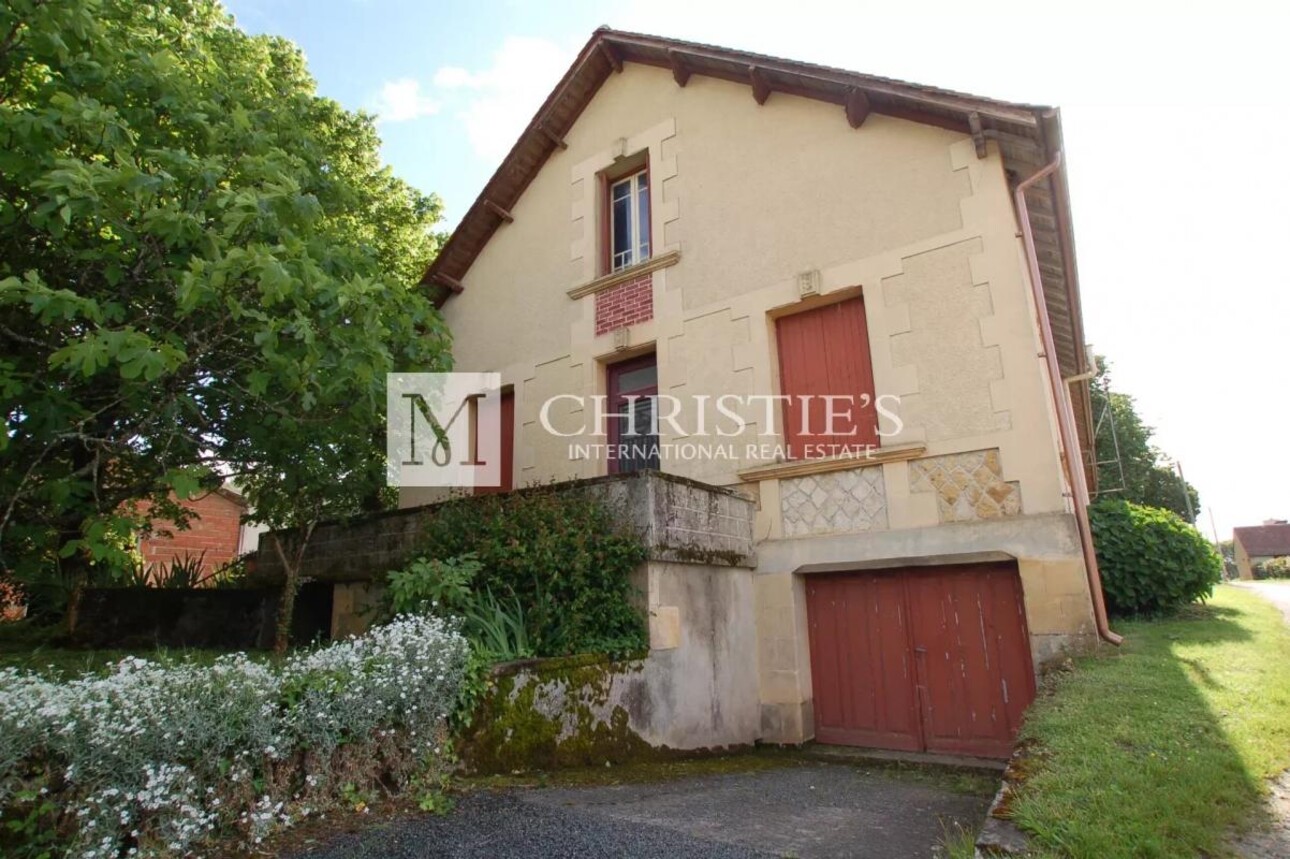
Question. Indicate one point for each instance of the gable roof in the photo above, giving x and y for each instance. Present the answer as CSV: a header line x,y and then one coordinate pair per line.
x,y
1028,137
1264,541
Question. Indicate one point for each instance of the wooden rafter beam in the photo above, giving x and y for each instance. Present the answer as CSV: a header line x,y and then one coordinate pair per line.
x,y
760,86
450,282
552,136
857,107
610,54
978,133
680,71
499,211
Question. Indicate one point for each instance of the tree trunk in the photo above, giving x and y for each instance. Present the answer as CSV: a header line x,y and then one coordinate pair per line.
x,y
72,616
76,569
290,586
286,609
76,566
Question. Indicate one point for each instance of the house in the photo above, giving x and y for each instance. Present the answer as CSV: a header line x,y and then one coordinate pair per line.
x,y
683,227
1259,543
216,533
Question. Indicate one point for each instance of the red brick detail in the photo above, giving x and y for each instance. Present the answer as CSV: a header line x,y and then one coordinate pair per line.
x,y
217,533
626,304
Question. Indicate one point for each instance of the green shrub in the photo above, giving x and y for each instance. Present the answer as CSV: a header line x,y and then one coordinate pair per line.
x,y
180,573
1276,568
427,583
561,559
498,628
1152,562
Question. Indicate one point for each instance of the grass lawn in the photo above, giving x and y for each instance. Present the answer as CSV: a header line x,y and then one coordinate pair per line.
x,y
1160,749
26,645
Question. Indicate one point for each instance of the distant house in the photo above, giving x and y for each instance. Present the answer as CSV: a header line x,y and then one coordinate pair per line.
x,y
216,533
1259,543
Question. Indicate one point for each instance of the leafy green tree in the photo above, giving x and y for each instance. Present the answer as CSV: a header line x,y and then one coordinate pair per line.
x,y
1130,467
1227,550
204,272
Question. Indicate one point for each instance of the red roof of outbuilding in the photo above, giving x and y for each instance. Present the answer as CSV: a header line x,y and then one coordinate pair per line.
x,y
1264,541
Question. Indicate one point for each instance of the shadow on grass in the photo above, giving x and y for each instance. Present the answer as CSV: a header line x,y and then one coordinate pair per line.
x,y
1202,672
1195,624
1135,754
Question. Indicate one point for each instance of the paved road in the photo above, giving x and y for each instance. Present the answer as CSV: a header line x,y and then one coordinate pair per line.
x,y
810,810
1278,593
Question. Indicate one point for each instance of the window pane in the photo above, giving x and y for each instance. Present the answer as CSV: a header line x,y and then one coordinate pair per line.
x,y
638,379
633,387
620,217
642,217
640,450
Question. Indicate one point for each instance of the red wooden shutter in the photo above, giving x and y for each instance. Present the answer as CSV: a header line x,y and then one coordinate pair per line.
x,y
508,447
826,352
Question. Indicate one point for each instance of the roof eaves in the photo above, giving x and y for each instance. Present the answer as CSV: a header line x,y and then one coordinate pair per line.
x,y
519,167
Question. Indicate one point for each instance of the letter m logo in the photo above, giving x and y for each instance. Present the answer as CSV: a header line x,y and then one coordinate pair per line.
x,y
443,429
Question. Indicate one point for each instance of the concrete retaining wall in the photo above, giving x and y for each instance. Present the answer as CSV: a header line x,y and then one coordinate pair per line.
x,y
680,520
696,689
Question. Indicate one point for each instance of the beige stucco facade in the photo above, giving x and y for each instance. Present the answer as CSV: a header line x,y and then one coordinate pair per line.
x,y
1244,564
751,197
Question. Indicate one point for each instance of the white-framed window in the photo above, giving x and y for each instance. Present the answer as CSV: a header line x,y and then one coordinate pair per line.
x,y
629,220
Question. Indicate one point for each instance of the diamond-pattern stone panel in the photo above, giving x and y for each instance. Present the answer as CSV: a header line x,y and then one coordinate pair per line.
x,y
968,486
835,502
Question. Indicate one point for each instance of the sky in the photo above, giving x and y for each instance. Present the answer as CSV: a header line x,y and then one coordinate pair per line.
x,y
1176,128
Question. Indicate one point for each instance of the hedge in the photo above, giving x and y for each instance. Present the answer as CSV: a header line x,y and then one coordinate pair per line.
x,y
1152,562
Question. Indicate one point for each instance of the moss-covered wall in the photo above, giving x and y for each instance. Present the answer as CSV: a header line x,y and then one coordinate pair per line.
x,y
556,713
697,690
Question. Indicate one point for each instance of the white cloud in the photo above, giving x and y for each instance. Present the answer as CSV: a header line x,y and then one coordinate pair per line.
x,y
401,100
503,97
454,77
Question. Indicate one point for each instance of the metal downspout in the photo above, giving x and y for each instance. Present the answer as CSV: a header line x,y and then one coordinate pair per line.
x,y
1072,462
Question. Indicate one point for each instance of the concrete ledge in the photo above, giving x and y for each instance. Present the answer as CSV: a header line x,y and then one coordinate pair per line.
x,y
1050,535
913,561
826,752
625,274
999,836
823,465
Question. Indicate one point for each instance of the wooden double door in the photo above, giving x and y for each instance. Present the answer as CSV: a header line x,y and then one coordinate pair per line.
x,y
933,659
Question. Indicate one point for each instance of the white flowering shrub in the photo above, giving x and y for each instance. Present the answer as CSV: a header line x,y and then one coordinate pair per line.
x,y
155,757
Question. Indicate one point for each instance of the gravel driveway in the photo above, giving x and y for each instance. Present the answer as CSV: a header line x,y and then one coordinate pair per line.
x,y
806,810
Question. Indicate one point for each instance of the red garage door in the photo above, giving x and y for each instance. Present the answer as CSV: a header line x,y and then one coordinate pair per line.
x,y
922,659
